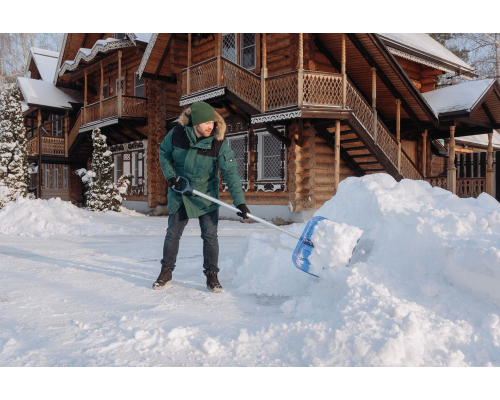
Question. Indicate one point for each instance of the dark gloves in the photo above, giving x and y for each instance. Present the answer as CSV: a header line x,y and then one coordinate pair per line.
x,y
244,210
174,183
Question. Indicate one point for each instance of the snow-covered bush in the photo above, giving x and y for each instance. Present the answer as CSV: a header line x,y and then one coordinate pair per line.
x,y
101,193
13,148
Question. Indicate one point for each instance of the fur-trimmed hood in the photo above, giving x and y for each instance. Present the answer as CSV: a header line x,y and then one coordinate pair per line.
x,y
220,124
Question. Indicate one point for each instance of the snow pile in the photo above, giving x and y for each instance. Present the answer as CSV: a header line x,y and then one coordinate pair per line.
x,y
44,218
422,287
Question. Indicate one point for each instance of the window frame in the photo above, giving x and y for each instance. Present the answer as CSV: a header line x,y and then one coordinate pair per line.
x,y
269,184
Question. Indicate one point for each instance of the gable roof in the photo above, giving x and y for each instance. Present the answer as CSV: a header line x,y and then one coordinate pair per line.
x,y
461,97
423,49
39,93
45,61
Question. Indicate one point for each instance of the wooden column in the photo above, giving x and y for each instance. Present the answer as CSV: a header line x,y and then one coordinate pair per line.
x,y
219,59
300,98
344,75
102,93
374,103
452,173
424,152
119,94
398,132
490,173
188,78
39,191
85,100
66,128
336,177
263,74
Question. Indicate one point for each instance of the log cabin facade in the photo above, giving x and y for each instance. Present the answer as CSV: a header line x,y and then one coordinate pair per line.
x,y
304,111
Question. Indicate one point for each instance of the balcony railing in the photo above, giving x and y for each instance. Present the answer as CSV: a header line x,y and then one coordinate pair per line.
x,y
281,91
131,107
466,187
50,145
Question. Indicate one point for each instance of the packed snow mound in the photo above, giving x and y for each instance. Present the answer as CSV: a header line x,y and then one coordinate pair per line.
x,y
421,286
44,218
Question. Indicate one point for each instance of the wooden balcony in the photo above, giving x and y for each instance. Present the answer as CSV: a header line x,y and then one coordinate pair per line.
x,y
466,187
52,146
280,91
111,111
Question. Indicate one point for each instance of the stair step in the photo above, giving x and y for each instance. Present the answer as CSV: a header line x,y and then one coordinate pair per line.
x,y
355,148
361,155
343,141
374,169
368,162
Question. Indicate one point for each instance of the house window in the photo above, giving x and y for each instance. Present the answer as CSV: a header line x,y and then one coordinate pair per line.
x,y
240,49
123,86
105,91
65,176
118,167
57,126
120,36
138,85
56,176
129,159
47,176
229,44
247,52
239,144
270,167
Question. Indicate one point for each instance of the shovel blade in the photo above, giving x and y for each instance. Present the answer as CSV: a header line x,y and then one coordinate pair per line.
x,y
305,246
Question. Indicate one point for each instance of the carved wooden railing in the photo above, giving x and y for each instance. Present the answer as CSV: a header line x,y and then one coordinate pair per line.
x,y
50,146
322,89
243,83
93,112
438,181
109,107
134,107
281,90
202,76
470,187
385,140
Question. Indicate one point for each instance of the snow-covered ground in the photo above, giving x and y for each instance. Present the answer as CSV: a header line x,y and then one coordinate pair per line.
x,y
422,287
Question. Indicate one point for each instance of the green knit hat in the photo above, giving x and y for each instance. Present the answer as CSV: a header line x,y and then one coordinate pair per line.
x,y
202,112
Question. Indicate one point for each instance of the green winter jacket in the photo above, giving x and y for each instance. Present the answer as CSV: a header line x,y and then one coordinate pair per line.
x,y
181,154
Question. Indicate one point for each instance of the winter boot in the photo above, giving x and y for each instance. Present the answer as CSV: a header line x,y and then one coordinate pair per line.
x,y
212,282
163,279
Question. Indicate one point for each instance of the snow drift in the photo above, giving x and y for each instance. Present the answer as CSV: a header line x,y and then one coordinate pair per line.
x,y
422,287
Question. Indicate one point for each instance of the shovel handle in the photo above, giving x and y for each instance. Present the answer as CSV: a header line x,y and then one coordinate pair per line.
x,y
189,191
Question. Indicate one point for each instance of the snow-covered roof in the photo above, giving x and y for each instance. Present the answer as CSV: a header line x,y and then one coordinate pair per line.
x,y
481,140
24,106
147,53
100,46
41,93
461,97
421,48
142,37
45,61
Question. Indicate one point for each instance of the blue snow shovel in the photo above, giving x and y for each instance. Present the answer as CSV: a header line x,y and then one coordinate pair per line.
x,y
304,247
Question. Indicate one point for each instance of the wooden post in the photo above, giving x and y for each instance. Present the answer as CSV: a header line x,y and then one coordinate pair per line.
x,y
119,89
102,93
263,75
489,169
424,151
188,83
398,132
336,177
65,128
374,103
219,59
452,173
344,74
39,191
300,94
85,100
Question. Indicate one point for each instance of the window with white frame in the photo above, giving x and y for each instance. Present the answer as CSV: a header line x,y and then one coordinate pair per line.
x,y
139,85
56,176
270,167
239,144
129,158
47,176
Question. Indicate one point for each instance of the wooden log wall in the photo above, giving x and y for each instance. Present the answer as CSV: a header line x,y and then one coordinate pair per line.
x,y
178,54
423,77
282,53
314,60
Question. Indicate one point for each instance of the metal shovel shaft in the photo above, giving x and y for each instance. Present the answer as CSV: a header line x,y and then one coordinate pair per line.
x,y
205,196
